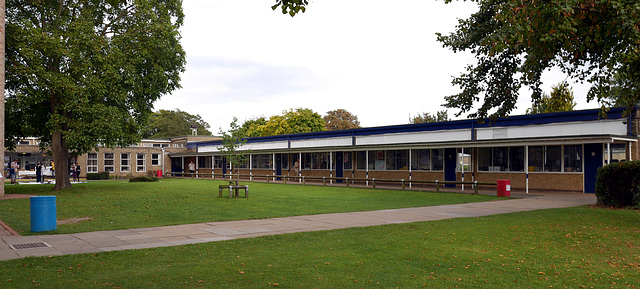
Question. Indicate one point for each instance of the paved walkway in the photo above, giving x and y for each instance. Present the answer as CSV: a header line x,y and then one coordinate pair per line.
x,y
13,247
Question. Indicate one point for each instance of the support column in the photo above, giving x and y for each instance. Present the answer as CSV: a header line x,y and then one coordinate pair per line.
x,y
526,168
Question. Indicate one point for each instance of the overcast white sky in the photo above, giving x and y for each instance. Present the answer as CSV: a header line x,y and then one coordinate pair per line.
x,y
380,60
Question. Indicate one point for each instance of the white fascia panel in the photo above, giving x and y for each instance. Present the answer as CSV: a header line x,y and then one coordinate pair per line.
x,y
603,127
253,147
322,142
417,137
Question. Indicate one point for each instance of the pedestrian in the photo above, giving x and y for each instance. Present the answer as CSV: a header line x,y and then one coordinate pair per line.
x,y
74,175
53,169
13,171
78,172
39,172
192,168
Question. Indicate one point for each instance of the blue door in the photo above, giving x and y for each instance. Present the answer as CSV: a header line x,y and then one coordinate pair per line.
x,y
278,165
450,166
339,166
593,156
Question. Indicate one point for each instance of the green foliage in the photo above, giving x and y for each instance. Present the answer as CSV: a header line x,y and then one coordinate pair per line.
x,y
300,120
426,117
561,99
291,7
98,176
143,179
169,123
618,185
231,142
340,119
85,73
515,41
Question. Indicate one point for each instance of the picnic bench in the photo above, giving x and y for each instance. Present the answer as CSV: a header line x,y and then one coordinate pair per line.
x,y
233,190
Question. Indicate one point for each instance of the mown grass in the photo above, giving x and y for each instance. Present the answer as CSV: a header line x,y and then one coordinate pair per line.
x,y
115,205
580,247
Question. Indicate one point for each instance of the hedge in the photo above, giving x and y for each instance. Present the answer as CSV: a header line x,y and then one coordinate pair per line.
x,y
617,185
98,176
143,179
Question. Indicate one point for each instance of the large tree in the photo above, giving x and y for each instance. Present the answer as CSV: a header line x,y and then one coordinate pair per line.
x,y
515,41
340,119
292,121
168,123
86,73
560,99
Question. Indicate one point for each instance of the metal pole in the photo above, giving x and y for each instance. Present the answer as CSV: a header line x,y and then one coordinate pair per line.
x,y
526,167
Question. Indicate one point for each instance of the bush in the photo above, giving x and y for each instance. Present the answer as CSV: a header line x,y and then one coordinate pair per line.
x,y
618,185
98,176
143,179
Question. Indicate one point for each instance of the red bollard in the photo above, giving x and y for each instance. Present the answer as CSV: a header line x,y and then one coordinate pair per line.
x,y
504,188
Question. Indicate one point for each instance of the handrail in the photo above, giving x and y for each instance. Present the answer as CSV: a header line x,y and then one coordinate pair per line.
x,y
347,180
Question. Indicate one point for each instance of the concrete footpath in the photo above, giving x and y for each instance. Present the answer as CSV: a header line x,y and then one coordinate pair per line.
x,y
14,247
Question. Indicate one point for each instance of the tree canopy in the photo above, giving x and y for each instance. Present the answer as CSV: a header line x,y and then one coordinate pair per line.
x,y
168,123
300,120
231,142
560,99
340,119
86,73
426,117
515,41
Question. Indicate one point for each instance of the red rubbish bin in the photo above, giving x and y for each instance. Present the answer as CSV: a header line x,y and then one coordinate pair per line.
x,y
159,174
504,188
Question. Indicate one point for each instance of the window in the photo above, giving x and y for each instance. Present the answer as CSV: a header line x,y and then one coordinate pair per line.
x,y
501,159
437,159
109,162
284,161
421,160
545,158
618,152
397,160
141,160
347,161
204,162
361,160
573,158
315,161
155,159
553,159
92,162
464,160
125,163
218,162
261,161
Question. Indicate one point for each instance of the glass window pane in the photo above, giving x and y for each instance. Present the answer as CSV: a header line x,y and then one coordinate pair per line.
x,y
437,159
361,161
484,159
516,159
553,159
463,160
573,158
348,161
536,158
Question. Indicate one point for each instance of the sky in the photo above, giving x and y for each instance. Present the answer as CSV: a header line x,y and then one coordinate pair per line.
x,y
380,60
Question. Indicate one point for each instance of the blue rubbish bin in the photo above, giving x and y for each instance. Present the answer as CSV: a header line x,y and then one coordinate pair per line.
x,y
43,213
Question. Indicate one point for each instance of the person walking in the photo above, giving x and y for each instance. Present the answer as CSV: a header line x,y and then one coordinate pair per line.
x,y
53,169
192,168
39,172
74,172
13,171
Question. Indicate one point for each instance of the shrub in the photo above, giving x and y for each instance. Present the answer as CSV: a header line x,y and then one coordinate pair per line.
x,y
143,179
98,176
618,184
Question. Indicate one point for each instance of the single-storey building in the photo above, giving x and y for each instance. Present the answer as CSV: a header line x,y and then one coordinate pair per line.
x,y
554,151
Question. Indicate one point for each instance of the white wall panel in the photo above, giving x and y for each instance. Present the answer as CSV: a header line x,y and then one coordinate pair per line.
x,y
603,127
322,142
253,146
418,137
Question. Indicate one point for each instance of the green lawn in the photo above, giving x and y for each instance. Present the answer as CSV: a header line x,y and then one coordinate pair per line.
x,y
580,247
122,205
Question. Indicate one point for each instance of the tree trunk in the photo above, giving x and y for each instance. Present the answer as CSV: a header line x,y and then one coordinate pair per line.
x,y
60,154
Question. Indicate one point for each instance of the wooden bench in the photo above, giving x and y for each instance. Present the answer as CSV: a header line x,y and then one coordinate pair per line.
x,y
232,189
